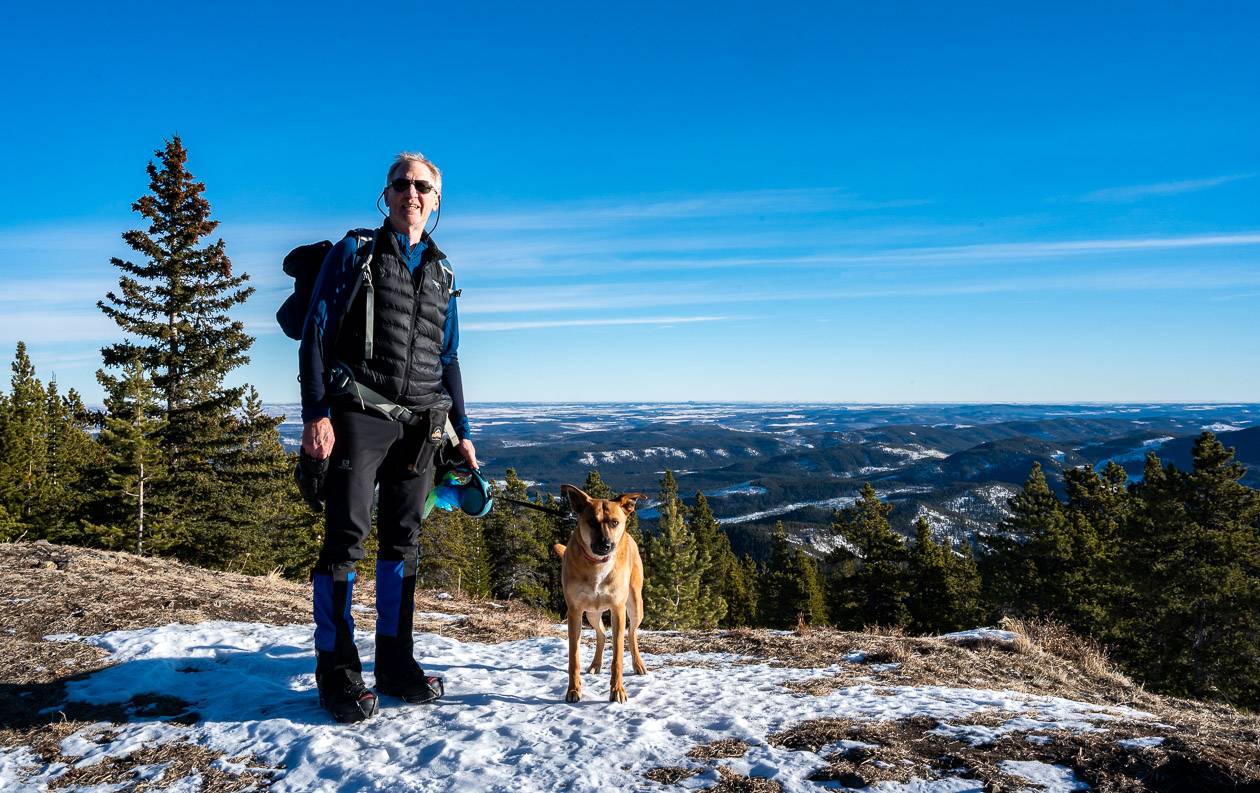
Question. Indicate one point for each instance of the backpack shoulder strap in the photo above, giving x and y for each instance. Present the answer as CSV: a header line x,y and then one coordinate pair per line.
x,y
365,241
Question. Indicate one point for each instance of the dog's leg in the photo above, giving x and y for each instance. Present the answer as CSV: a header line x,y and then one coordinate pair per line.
x,y
596,619
635,609
574,694
617,691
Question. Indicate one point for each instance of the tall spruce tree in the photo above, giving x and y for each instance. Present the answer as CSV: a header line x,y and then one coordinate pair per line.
x,y
715,563
24,454
173,307
123,514
741,594
1028,566
1097,505
519,556
45,455
930,599
1191,558
790,589
869,583
671,583
259,517
72,455
965,588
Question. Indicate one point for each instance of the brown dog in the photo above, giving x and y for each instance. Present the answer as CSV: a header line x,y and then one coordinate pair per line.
x,y
601,570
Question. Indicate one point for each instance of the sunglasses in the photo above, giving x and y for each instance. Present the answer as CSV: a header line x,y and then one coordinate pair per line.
x,y
422,187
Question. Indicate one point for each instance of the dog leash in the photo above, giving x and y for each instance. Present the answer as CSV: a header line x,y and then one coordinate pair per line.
x,y
531,505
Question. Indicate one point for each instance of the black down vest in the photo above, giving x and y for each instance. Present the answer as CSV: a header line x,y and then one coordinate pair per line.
x,y
410,315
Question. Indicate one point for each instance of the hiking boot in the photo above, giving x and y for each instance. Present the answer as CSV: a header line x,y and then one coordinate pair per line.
x,y
410,684
346,698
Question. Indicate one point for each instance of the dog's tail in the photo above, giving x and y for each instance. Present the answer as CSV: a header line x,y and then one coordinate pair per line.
x,y
559,549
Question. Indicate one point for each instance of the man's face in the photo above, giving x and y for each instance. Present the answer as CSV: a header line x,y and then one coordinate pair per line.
x,y
408,207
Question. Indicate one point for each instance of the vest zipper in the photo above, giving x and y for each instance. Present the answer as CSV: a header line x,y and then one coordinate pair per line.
x,y
416,299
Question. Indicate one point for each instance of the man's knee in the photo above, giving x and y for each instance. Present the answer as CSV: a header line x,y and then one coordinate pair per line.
x,y
408,554
340,566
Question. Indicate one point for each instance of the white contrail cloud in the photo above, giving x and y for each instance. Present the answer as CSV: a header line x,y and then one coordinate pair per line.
x,y
718,205
1138,192
580,323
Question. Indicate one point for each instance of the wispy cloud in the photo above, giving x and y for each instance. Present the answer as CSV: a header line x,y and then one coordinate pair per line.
x,y
1138,192
617,257
582,323
646,295
717,205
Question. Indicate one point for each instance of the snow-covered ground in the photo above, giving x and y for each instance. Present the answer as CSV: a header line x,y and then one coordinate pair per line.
x,y
503,725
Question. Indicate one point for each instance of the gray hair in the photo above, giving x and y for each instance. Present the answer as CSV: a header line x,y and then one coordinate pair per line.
x,y
412,156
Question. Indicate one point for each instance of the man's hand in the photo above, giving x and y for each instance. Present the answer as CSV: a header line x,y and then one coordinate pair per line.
x,y
317,438
470,454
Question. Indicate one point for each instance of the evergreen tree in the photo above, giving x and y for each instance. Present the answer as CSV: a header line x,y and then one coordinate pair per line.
x,y
790,587
173,308
869,582
45,452
671,584
1097,505
24,455
714,564
71,456
123,514
519,556
1192,562
595,487
930,600
1029,568
259,521
453,554
741,594
965,588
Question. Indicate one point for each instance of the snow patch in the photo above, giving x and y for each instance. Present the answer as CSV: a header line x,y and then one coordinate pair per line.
x,y
915,452
1050,778
741,489
975,634
1141,743
503,724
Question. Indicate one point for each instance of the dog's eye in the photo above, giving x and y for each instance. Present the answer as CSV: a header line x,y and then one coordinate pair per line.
x,y
612,524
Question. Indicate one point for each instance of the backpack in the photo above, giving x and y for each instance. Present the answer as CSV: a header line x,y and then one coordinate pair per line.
x,y
303,265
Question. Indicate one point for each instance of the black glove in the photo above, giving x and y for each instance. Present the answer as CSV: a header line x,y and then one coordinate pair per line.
x,y
311,474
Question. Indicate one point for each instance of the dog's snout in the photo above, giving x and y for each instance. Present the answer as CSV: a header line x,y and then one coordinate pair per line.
x,y
602,545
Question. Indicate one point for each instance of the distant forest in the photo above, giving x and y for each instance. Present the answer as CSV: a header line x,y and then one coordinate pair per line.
x,y
1163,572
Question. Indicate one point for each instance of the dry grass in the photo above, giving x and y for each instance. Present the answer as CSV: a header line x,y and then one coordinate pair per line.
x,y
180,760
724,748
731,782
912,749
671,774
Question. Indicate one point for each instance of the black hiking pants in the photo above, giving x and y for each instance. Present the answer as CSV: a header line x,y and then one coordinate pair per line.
x,y
368,451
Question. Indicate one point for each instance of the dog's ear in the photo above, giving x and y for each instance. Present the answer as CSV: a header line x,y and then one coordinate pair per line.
x,y
627,501
577,499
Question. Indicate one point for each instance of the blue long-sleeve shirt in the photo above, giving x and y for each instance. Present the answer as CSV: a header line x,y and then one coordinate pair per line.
x,y
332,289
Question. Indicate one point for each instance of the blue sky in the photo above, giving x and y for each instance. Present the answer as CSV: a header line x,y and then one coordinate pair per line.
x,y
812,201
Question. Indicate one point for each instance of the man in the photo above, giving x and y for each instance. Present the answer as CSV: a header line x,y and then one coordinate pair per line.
x,y
408,355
